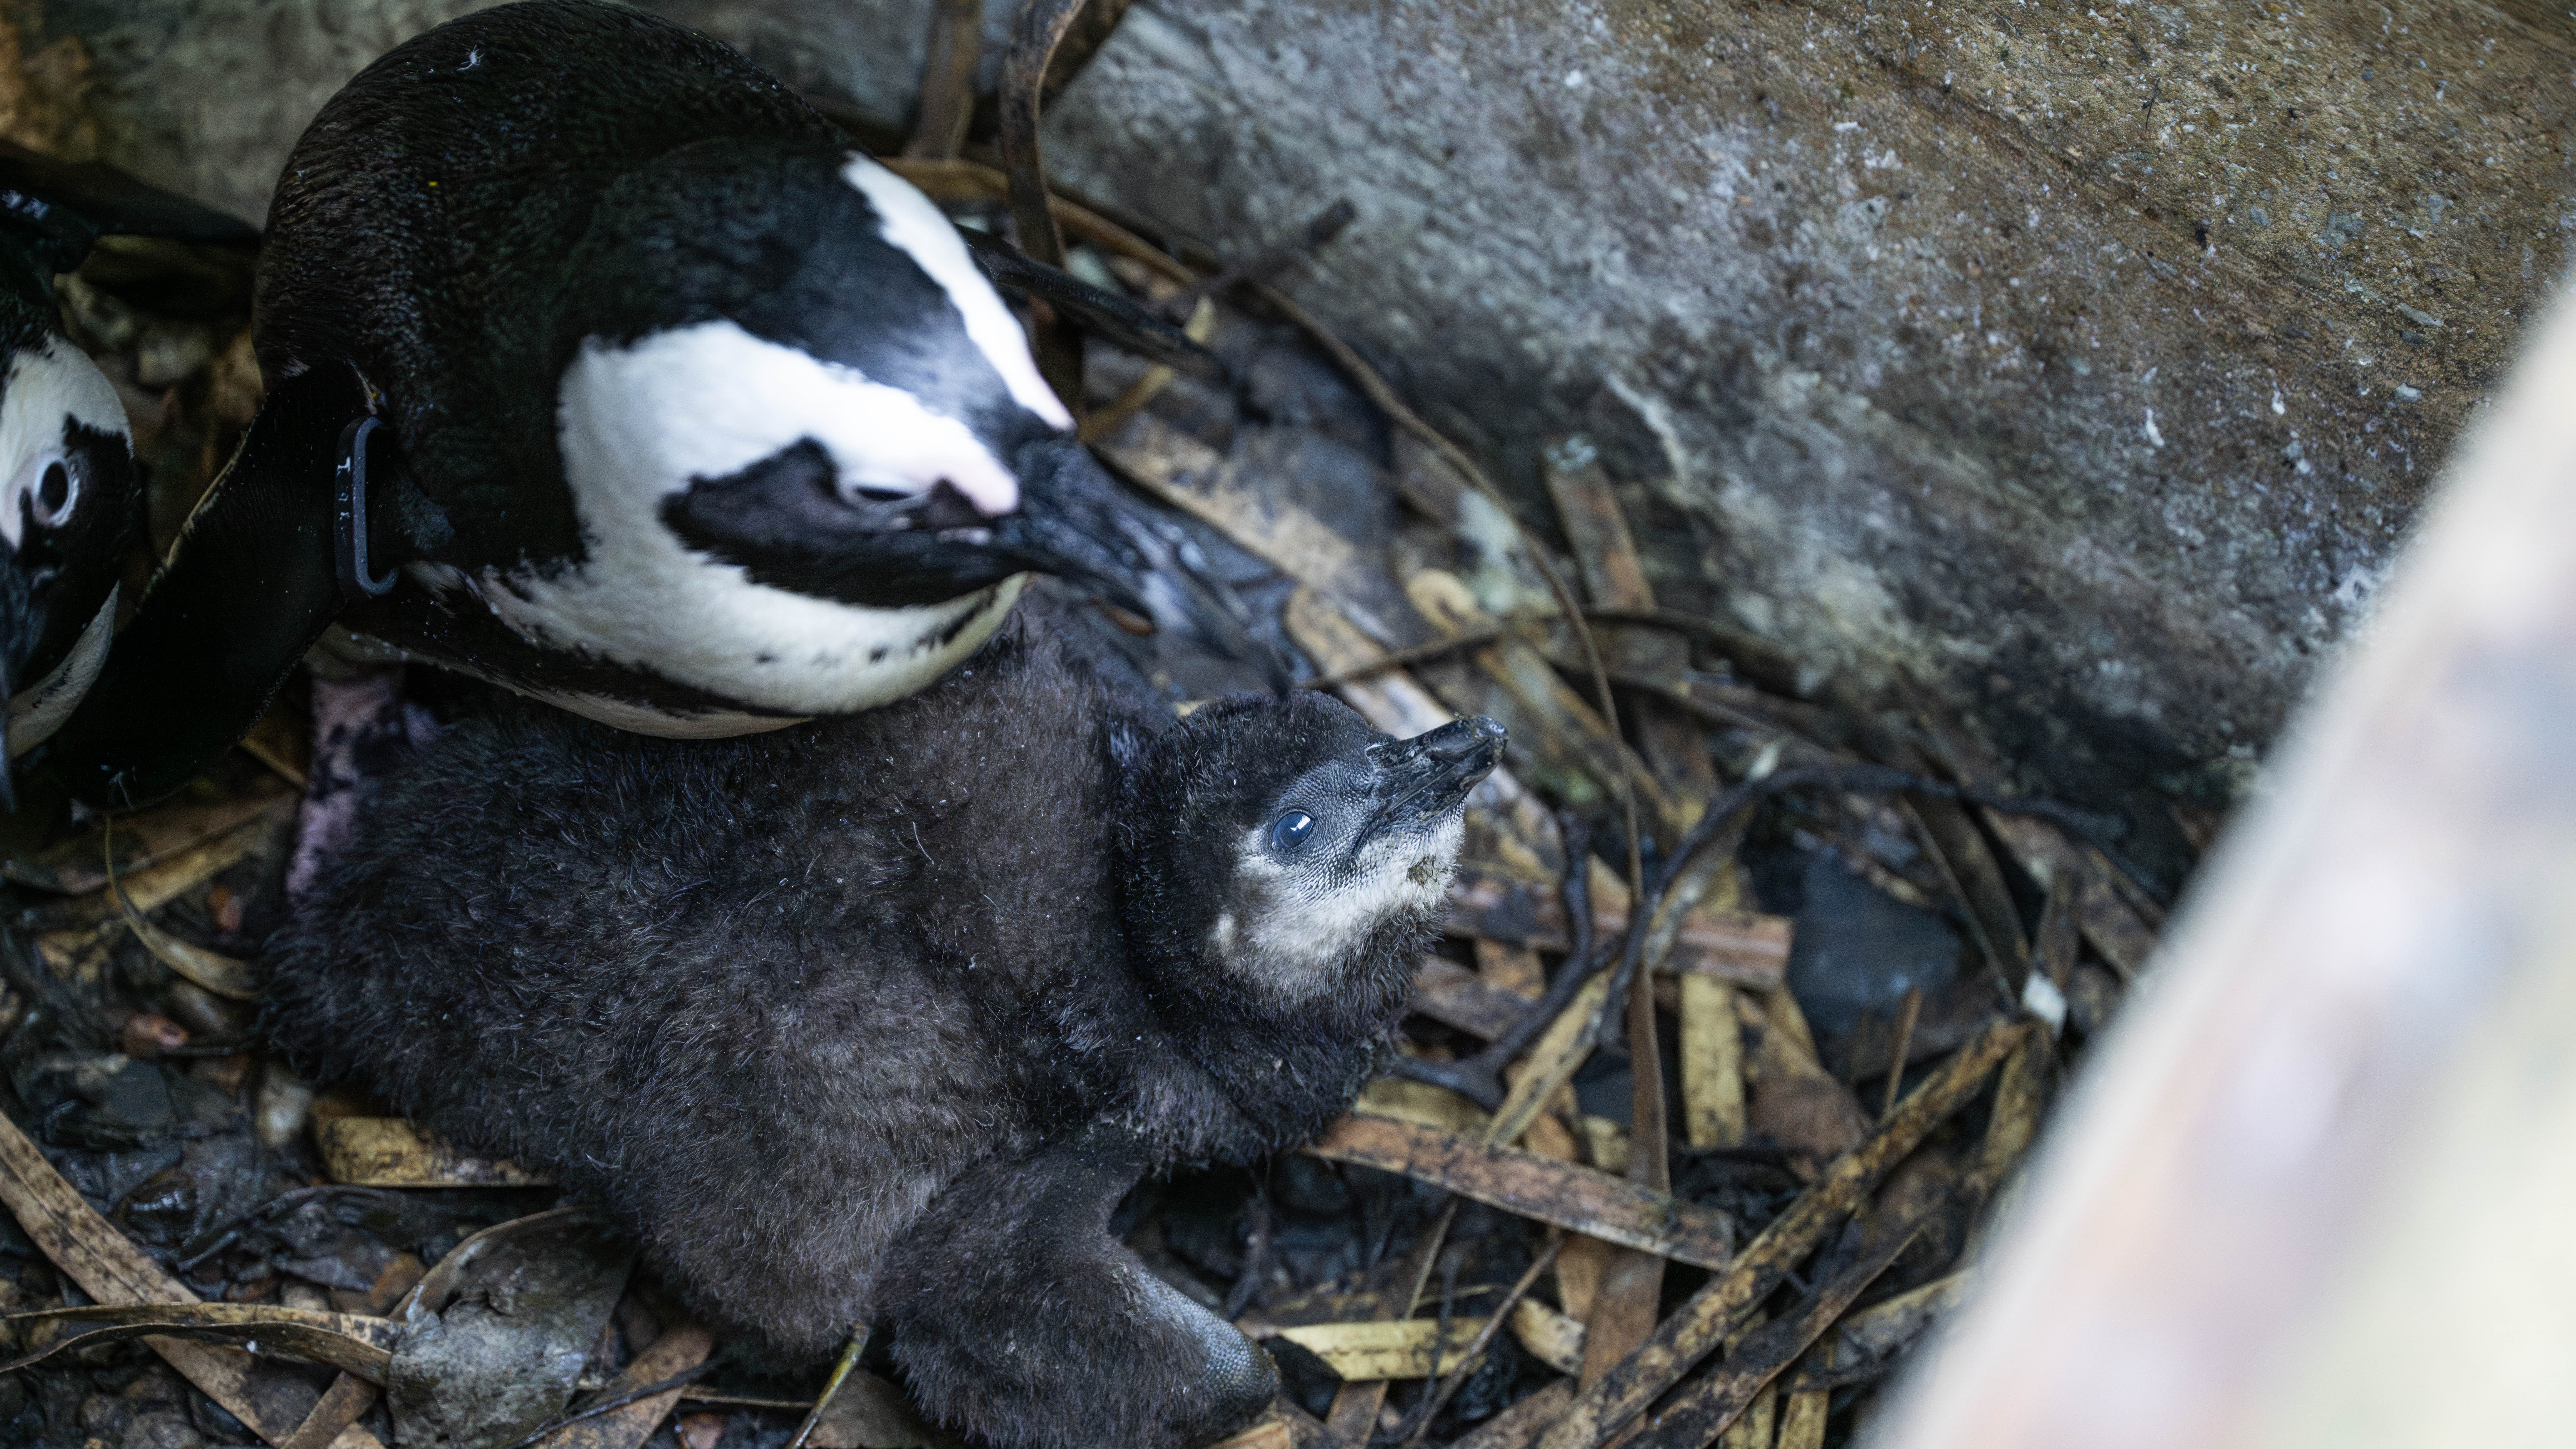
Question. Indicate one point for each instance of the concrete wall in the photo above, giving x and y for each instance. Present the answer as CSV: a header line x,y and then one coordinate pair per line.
x,y
2088,358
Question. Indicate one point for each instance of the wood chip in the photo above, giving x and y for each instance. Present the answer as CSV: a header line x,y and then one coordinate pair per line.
x,y
1864,1341
1579,1199
1594,525
76,867
1578,1276
947,80
1511,968
2021,1099
1803,1413
341,1404
2118,932
1623,1312
212,970
1551,1062
1401,1100
1726,1303
1706,1406
1387,1349
1269,1432
1553,1338
152,889
871,1413
1607,1142
1456,996
1353,1417
1519,1426
1739,946
680,1348
390,1152
1753,1429
1712,1064
1588,507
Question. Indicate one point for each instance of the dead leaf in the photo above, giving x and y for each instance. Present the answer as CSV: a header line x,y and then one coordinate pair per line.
x,y
348,1342
75,867
112,1270
499,1357
211,970
871,1413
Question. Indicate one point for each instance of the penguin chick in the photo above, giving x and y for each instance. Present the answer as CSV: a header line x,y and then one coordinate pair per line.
x,y
603,367
875,1022
70,496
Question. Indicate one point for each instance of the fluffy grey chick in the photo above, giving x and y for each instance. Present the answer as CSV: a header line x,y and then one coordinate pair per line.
x,y
876,1020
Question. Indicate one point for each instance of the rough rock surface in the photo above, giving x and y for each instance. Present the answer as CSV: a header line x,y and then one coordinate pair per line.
x,y
2085,358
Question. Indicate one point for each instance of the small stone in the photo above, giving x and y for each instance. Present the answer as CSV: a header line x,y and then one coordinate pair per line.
x,y
147,1035
161,1429
285,1103
105,1416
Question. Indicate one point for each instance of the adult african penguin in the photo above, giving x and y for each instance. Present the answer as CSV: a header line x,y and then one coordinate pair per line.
x,y
604,368
876,1024
70,497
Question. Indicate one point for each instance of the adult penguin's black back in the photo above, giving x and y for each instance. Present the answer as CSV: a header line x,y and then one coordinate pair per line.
x,y
602,366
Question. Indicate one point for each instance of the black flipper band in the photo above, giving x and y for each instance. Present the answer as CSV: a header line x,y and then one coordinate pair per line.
x,y
349,518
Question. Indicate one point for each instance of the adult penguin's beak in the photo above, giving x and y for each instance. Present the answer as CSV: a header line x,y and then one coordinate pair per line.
x,y
1078,523
788,522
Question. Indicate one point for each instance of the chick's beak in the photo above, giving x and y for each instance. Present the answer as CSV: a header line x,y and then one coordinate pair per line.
x,y
1076,522
1427,775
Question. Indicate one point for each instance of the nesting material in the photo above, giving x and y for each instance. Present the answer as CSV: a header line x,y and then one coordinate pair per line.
x,y
1623,1082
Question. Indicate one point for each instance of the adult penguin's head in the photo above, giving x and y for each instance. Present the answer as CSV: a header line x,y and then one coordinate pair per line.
x,y
67,508
796,399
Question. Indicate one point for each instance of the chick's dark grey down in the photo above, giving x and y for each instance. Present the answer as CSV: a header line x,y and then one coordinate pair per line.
x,y
876,1019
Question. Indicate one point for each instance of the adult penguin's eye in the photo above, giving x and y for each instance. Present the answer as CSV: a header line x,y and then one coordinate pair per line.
x,y
54,493
1292,830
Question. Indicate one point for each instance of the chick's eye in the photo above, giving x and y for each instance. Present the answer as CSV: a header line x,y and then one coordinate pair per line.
x,y
1292,830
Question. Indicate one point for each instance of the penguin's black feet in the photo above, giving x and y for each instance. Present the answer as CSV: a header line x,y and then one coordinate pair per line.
x,y
1018,1319
362,728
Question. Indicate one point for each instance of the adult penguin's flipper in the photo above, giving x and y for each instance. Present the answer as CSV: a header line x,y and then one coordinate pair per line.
x,y
1104,314
65,206
252,583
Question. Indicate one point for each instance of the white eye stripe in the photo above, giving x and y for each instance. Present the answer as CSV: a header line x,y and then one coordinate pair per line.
x,y
709,400
911,223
